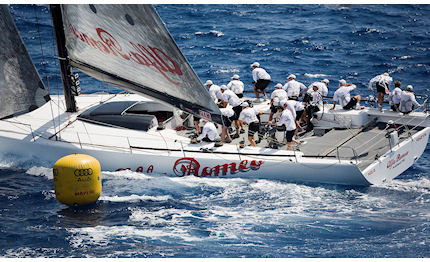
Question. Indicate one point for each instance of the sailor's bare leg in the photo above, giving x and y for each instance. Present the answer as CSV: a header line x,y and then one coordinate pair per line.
x,y
358,97
257,94
252,141
196,124
264,93
380,98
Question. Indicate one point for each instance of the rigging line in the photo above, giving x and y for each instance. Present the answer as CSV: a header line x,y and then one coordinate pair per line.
x,y
44,63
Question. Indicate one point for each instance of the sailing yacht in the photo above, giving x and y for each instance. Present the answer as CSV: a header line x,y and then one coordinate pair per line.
x,y
146,129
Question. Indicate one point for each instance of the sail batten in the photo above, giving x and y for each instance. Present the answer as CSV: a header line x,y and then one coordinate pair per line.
x,y
129,46
21,88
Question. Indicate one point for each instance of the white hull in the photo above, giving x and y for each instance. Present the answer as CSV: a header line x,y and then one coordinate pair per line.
x,y
172,155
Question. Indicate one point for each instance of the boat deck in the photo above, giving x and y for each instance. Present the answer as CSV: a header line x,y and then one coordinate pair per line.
x,y
359,145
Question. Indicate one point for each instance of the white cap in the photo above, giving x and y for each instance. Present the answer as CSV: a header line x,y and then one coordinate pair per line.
x,y
209,82
325,81
291,76
245,104
385,74
235,77
278,85
409,88
255,64
224,87
342,82
283,102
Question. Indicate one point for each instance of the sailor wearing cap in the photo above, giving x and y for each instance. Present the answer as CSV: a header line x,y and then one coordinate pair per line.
x,y
276,97
236,86
382,82
209,132
229,97
408,101
395,96
261,80
343,96
213,89
315,105
287,122
324,88
249,116
294,88
321,87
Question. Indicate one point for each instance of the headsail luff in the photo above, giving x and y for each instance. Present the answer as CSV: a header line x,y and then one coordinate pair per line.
x,y
129,46
21,89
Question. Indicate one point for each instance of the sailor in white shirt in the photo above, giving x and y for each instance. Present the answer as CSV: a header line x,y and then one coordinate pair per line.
x,y
324,89
229,97
227,114
382,83
343,96
261,80
249,116
209,132
315,105
408,101
236,86
395,95
321,88
276,97
294,89
213,89
288,122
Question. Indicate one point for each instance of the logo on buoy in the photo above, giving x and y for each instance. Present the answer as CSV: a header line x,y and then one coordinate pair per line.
x,y
83,172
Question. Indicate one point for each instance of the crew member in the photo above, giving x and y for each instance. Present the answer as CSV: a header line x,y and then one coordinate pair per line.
x,y
277,96
382,83
249,116
298,112
294,89
395,96
209,132
236,86
287,122
343,96
229,97
408,101
227,114
315,105
261,80
213,89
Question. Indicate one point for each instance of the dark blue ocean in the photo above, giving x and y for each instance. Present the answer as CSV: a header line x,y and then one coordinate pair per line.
x,y
143,216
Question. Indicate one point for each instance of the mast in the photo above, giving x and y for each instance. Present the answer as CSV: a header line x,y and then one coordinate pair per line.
x,y
66,69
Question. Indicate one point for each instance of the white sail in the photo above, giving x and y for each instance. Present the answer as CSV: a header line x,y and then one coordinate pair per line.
x,y
21,89
128,45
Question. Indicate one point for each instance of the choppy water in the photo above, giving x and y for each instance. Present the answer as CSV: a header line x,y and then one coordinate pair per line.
x,y
143,216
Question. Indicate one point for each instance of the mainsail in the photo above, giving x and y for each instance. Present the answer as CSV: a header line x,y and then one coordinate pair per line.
x,y
21,89
129,46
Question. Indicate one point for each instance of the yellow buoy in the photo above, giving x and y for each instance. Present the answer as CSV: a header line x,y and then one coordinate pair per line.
x,y
77,179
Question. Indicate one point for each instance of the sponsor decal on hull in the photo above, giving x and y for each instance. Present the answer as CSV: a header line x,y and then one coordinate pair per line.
x,y
397,160
189,166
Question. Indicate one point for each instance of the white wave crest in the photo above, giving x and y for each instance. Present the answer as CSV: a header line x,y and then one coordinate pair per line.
x,y
40,171
224,71
315,75
133,198
212,32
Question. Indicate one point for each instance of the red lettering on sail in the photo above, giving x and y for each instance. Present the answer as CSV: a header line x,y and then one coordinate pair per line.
x,y
148,56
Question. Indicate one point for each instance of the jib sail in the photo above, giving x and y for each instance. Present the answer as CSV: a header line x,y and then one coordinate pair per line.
x,y
21,89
